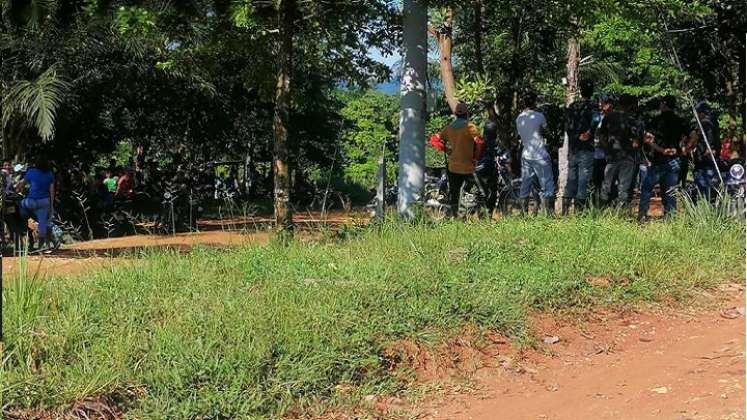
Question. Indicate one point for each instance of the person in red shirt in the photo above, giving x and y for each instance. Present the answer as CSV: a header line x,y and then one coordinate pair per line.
x,y
125,185
728,143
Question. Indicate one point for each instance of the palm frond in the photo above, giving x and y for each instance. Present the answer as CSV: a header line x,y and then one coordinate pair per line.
x,y
606,72
36,102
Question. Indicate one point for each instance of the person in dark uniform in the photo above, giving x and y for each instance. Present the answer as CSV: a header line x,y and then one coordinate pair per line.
x,y
669,130
704,149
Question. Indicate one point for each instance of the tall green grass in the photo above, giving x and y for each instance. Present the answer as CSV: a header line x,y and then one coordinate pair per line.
x,y
266,331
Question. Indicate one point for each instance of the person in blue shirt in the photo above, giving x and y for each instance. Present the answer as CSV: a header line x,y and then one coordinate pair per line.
x,y
39,202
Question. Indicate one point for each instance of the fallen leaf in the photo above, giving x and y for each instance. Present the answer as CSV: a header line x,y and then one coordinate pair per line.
x,y
661,390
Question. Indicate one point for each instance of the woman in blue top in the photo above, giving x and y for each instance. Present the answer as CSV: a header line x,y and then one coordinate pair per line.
x,y
39,201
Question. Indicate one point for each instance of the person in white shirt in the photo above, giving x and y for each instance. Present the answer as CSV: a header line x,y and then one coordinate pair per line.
x,y
535,160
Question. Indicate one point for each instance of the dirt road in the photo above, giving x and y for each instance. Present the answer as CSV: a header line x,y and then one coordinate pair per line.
x,y
79,257
101,253
666,365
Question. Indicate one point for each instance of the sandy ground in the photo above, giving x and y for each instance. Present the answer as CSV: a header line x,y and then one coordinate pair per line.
x,y
650,365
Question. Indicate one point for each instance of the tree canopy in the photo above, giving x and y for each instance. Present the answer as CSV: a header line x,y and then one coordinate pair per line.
x,y
199,78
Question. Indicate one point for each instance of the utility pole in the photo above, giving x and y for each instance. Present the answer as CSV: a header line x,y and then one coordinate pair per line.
x,y
412,106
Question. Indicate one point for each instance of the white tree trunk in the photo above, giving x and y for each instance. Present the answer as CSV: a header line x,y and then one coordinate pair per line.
x,y
412,106
574,56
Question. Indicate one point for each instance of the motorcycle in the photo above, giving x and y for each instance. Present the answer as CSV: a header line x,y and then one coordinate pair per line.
x,y
509,187
23,233
734,180
436,193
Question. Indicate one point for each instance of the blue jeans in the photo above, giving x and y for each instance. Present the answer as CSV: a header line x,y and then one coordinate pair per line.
x,y
665,174
580,170
39,210
704,180
542,169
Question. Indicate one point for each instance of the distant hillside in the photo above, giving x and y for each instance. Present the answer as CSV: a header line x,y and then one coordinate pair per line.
x,y
390,88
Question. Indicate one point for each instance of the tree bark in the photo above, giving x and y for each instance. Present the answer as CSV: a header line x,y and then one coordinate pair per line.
x,y
571,91
413,106
445,45
281,166
477,31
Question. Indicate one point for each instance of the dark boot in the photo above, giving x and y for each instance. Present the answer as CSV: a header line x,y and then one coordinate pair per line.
x,y
524,206
580,206
565,207
548,206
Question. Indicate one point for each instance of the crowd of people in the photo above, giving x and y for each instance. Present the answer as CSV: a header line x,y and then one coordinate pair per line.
x,y
612,150
43,189
610,146
88,197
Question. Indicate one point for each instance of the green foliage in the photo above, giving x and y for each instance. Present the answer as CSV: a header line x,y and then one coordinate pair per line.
x,y
435,124
36,102
637,63
476,90
268,331
372,123
135,20
243,15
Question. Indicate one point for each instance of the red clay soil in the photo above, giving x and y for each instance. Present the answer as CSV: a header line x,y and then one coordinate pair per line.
x,y
659,364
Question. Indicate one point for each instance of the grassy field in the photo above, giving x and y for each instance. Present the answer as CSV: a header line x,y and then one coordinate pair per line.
x,y
266,331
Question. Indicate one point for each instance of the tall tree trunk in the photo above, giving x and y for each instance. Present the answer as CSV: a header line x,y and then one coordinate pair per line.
x,y
445,45
413,106
283,210
571,91
477,31
517,35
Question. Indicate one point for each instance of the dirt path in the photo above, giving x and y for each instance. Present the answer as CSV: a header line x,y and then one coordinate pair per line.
x,y
622,366
102,253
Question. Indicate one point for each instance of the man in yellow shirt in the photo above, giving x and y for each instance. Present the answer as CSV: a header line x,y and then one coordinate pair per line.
x,y
459,141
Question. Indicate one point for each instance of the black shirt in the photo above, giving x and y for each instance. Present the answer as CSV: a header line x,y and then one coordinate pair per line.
x,y
702,160
486,165
669,130
578,120
617,132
